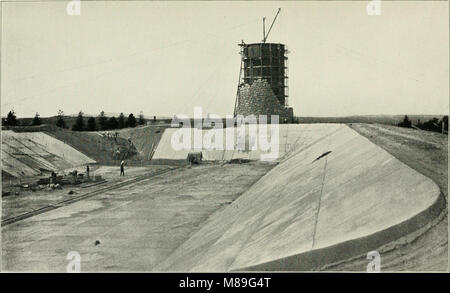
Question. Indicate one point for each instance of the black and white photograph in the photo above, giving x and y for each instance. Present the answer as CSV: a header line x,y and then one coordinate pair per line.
x,y
224,137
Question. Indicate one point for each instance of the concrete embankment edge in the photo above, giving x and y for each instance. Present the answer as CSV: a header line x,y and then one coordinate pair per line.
x,y
307,213
318,258
315,259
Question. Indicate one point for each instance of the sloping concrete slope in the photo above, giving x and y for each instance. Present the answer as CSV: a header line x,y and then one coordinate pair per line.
x,y
30,153
307,212
287,140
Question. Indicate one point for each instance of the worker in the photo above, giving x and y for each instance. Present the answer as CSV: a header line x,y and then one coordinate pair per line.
x,y
87,171
122,168
53,178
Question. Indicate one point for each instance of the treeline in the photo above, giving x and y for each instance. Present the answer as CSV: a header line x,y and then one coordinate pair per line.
x,y
433,124
82,123
103,122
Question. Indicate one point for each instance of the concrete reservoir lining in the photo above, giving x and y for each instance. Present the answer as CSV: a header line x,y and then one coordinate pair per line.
x,y
311,210
28,153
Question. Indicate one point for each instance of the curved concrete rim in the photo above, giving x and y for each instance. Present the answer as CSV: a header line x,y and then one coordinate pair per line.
x,y
315,259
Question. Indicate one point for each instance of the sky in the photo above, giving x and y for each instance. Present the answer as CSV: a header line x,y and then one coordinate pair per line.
x,y
165,58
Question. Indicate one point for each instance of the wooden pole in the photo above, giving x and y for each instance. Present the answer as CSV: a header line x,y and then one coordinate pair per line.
x,y
264,29
239,81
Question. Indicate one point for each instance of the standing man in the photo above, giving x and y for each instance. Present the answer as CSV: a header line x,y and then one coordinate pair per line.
x,y
87,171
122,168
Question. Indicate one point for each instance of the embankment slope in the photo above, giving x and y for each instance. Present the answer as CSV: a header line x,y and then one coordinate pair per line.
x,y
31,153
309,211
144,138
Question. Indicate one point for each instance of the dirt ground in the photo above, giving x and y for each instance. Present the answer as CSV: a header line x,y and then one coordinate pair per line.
x,y
27,200
427,153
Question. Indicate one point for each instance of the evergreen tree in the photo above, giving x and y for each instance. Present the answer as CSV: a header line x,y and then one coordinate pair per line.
x,y
79,123
406,122
60,119
103,121
11,119
121,121
131,121
36,120
112,123
91,124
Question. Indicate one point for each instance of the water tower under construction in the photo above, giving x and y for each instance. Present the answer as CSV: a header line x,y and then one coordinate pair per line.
x,y
263,80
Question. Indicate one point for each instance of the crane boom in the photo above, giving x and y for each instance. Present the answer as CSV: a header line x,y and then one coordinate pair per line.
x,y
266,36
